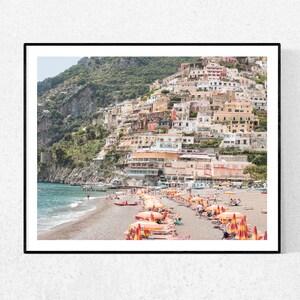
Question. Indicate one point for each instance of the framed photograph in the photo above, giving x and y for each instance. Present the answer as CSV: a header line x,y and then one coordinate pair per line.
x,y
152,148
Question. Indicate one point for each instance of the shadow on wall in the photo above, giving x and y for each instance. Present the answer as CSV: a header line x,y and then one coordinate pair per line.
x,y
290,156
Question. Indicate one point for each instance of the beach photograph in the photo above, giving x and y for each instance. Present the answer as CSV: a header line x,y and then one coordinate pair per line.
x,y
163,150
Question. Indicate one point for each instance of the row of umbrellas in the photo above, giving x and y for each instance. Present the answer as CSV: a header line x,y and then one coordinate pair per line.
x,y
147,219
236,221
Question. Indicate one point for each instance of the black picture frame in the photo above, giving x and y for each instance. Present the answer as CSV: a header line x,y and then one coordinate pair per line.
x,y
25,133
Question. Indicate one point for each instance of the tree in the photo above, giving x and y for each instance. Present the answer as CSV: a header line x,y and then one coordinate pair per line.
x,y
256,172
62,157
91,135
165,92
260,160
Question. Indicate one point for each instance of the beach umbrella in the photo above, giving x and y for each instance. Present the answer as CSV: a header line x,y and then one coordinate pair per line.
x,y
147,225
147,215
229,193
229,216
178,195
198,199
225,184
152,218
242,233
215,207
265,235
233,228
146,233
207,203
254,233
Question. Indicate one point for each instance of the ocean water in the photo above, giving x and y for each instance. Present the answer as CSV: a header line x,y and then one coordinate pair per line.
x,y
61,203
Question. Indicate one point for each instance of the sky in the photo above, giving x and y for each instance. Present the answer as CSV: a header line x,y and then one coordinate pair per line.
x,y
52,66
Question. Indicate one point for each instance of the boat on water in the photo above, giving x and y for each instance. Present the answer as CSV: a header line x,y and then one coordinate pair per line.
x,y
125,203
100,187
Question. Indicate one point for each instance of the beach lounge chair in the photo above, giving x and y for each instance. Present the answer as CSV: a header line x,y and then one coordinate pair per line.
x,y
180,238
160,236
178,221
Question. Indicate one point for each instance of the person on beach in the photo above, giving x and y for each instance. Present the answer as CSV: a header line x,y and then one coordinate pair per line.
x,y
215,198
88,196
226,235
200,210
237,202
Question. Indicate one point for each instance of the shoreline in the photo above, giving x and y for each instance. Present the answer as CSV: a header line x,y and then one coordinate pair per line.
x,y
106,221
109,222
52,231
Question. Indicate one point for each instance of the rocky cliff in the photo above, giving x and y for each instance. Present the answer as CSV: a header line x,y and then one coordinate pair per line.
x,y
87,173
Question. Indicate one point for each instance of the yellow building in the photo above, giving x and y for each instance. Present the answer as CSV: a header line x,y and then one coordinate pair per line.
x,y
237,116
161,103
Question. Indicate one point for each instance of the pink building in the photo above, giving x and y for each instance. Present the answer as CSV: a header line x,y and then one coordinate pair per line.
x,y
229,169
152,126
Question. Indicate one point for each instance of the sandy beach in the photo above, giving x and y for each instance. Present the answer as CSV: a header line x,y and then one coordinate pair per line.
x,y
109,222
106,222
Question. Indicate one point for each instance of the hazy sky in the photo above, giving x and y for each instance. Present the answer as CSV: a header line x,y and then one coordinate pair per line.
x,y
51,66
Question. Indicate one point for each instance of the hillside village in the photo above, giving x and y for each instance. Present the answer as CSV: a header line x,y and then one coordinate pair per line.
x,y
201,123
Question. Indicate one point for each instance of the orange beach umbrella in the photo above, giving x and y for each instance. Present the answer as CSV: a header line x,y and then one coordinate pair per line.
x,y
146,215
225,184
233,228
179,195
242,233
229,193
254,233
214,207
147,225
229,216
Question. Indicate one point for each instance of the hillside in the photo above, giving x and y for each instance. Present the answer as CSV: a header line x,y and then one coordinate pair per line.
x,y
67,101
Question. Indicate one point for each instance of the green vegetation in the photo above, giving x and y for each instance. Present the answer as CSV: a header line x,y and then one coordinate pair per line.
x,y
211,143
94,83
193,114
256,172
256,157
130,76
240,67
161,129
165,92
80,147
263,120
259,159
260,79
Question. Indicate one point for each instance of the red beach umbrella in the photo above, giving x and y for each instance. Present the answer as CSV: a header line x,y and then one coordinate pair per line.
x,y
152,218
265,235
242,233
233,228
254,233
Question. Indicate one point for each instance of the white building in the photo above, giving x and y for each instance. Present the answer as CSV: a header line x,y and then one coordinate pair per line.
x,y
245,140
218,85
185,125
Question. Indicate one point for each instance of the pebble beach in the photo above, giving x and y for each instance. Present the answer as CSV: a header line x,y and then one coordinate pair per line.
x,y
110,222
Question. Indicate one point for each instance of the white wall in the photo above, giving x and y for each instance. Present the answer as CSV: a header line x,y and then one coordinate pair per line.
x,y
145,276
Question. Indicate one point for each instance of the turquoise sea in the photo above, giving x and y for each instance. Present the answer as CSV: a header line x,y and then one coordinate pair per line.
x,y
60,203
